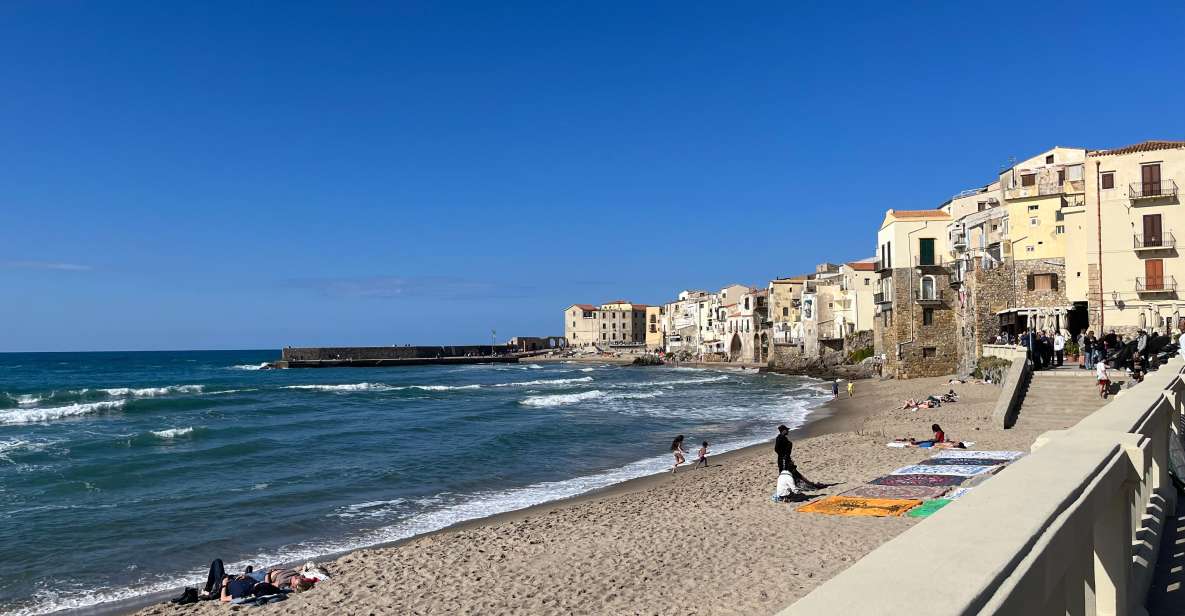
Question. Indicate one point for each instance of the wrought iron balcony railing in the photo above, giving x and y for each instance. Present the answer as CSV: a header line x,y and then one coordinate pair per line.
x,y
1152,190
1160,284
932,261
881,298
934,297
1164,241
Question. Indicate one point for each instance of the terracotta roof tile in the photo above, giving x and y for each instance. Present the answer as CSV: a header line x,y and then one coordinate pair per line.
x,y
585,306
862,266
1146,146
918,214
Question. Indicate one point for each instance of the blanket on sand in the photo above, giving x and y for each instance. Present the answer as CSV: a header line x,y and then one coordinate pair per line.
x,y
971,453
918,480
853,506
907,492
928,508
938,469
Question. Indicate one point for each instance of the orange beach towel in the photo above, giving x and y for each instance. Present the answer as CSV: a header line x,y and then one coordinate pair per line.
x,y
854,505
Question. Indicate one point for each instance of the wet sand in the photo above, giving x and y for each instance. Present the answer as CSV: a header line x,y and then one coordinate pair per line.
x,y
707,541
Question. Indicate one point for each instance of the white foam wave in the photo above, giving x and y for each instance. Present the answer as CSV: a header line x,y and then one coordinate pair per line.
x,y
24,416
534,366
344,387
710,379
249,366
152,392
172,433
440,387
584,379
587,370
371,509
561,399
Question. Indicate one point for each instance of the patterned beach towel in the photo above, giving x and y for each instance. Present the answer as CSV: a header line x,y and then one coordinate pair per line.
x,y
853,506
966,461
957,493
969,453
907,492
928,508
918,480
939,469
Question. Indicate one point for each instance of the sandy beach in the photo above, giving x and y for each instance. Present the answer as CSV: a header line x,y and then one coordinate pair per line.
x,y
706,541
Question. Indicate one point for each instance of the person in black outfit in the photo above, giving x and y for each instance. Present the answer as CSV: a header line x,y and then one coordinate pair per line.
x,y
783,447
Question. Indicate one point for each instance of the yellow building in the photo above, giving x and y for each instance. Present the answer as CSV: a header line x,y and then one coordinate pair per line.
x,y
1036,191
1135,191
654,328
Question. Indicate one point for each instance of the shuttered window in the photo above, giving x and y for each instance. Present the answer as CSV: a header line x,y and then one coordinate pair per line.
x,y
1108,180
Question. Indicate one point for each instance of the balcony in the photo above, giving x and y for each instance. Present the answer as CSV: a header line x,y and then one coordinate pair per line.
x,y
935,261
1073,200
1143,191
1166,241
879,266
1163,284
881,298
928,298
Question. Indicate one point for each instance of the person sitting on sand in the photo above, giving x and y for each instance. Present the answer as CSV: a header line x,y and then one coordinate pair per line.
x,y
939,437
786,490
677,449
703,456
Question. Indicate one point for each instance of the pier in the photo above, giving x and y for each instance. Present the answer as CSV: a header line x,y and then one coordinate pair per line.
x,y
384,357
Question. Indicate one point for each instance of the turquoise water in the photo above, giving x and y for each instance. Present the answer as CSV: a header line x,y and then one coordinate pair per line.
x,y
126,473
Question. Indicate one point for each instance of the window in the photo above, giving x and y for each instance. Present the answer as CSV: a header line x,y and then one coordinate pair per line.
x,y
746,303
603,326
1034,221
1061,177
1060,229
604,336
1049,159
929,352
1042,282
927,316
926,251
653,329
573,323
867,281
785,312
1150,179
926,288
1028,179
1030,248
1034,208
652,318
1107,179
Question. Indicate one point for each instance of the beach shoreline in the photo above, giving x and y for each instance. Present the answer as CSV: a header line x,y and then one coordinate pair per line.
x,y
832,426
823,418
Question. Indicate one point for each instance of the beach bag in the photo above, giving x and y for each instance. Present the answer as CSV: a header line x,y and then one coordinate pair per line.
x,y
187,596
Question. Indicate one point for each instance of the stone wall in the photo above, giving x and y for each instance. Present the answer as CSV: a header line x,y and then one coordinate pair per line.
x,y
912,348
392,352
1055,298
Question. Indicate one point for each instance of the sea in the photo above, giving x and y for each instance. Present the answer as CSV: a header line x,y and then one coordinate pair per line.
x,y
123,474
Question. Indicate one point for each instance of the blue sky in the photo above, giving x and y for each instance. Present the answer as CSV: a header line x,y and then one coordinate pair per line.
x,y
250,175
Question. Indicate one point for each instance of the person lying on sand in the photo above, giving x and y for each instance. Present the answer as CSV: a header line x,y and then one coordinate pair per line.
x,y
227,588
938,441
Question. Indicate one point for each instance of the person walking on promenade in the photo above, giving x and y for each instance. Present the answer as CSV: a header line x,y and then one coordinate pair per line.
x,y
1059,349
677,449
1103,378
783,447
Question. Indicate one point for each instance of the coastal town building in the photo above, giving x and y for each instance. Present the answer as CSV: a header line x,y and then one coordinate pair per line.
x,y
616,324
685,321
655,332
1135,283
915,327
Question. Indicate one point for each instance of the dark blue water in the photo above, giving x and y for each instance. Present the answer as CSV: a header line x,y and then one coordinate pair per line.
x,y
124,473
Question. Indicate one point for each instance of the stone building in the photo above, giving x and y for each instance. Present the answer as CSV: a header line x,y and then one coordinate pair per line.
x,y
915,329
616,324
1135,191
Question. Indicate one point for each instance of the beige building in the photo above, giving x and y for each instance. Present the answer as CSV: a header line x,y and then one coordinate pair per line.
x,y
686,322
785,301
1135,191
854,307
616,324
655,332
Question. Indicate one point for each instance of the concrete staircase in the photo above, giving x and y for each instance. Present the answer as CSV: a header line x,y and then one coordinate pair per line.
x,y
1058,398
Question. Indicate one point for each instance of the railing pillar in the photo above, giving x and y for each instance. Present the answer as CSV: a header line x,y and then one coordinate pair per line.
x,y
1112,549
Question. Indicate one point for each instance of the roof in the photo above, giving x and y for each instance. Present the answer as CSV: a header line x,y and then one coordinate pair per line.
x,y
619,301
1146,146
919,214
862,266
584,306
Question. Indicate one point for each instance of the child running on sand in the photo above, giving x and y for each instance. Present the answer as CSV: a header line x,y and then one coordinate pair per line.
x,y
703,456
677,449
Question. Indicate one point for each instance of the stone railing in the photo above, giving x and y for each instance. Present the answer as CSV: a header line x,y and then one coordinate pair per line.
x,y
1073,528
1013,386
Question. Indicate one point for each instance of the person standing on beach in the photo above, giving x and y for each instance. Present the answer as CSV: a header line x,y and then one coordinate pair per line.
x,y
677,449
783,447
834,388
851,388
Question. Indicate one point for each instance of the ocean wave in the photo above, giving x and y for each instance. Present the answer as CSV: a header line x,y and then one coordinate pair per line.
x,y
534,367
344,387
152,392
37,415
172,433
710,379
584,379
439,387
587,370
561,399
259,366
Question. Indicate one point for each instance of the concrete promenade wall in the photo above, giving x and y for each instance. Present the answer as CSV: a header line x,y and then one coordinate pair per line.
x,y
392,352
1073,528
